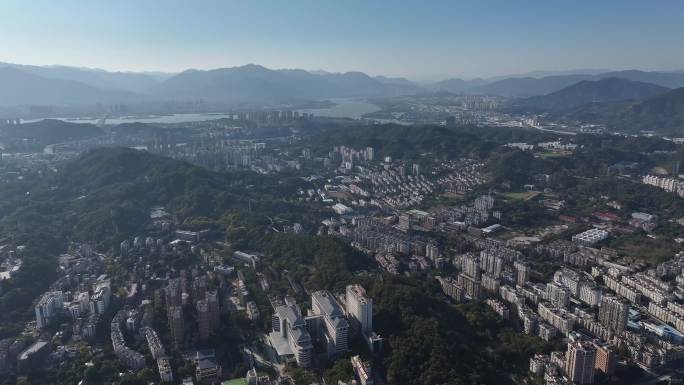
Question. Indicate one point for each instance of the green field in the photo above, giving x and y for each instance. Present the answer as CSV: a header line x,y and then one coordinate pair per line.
x,y
645,249
235,381
553,154
522,196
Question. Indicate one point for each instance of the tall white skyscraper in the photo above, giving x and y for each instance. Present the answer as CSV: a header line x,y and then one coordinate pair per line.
x,y
49,306
360,308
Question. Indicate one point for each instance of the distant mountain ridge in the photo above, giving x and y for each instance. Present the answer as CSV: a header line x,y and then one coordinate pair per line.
x,y
252,83
528,87
663,114
63,85
106,80
18,87
457,85
593,91
545,73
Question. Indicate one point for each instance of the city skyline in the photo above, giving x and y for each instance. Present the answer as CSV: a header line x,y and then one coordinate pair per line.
x,y
446,39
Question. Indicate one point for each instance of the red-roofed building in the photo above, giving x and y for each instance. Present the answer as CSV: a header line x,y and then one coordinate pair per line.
x,y
568,218
606,216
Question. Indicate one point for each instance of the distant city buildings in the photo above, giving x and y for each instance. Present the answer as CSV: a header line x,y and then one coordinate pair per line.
x,y
580,362
164,367
154,343
499,308
360,309
668,184
557,295
334,327
451,288
362,370
207,368
613,313
590,237
132,359
49,306
523,272
327,323
176,323
99,302
290,335
644,221
605,359
597,292
208,315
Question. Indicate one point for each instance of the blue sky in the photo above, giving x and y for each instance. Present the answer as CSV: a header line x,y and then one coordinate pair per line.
x,y
422,40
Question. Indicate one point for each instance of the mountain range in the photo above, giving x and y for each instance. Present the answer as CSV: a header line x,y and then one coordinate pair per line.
x,y
457,85
530,86
663,114
254,83
18,87
61,85
593,91
98,78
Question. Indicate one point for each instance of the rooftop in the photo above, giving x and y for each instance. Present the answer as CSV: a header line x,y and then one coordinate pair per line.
x,y
291,314
327,303
32,349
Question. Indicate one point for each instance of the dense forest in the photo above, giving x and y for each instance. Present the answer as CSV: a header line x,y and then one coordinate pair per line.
x,y
412,142
432,342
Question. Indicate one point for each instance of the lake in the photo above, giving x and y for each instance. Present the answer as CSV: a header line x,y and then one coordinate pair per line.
x,y
343,108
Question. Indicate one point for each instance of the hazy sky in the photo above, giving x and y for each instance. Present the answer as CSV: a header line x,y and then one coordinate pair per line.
x,y
425,39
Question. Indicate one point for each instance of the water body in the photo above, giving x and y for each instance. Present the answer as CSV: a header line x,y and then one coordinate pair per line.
x,y
343,108
173,118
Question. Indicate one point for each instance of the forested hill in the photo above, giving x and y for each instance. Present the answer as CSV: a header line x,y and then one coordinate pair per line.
x,y
105,194
604,90
410,142
431,342
663,114
49,131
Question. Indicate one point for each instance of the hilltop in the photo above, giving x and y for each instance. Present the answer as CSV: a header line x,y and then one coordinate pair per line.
x,y
593,91
41,133
663,114
21,88
106,193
